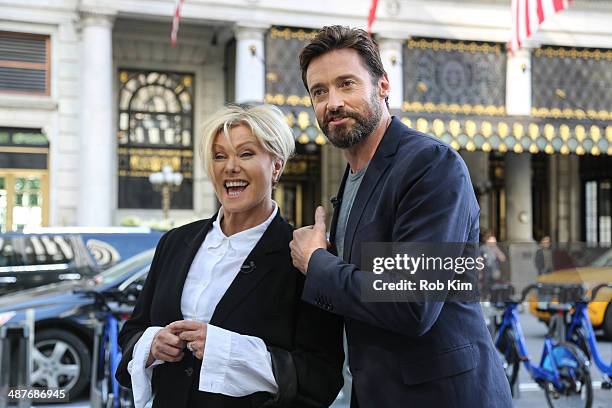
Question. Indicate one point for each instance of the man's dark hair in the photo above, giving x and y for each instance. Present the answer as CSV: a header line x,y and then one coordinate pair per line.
x,y
338,37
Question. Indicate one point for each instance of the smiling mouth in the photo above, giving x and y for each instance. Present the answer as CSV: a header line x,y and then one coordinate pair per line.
x,y
235,187
336,121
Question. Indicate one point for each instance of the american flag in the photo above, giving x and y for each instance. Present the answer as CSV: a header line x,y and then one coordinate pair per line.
x,y
175,22
372,15
528,15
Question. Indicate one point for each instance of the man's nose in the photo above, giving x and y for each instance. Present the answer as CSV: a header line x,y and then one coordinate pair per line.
x,y
334,101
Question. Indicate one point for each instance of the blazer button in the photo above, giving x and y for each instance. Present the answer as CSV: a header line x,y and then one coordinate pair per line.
x,y
189,371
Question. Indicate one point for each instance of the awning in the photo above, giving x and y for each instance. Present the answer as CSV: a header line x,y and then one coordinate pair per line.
x,y
515,134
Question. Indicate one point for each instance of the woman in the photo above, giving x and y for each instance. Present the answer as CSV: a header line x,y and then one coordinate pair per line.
x,y
219,322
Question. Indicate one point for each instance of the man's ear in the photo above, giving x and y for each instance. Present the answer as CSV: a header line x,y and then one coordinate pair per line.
x,y
384,87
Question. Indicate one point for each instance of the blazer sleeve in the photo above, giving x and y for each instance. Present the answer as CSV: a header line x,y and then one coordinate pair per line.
x,y
140,320
437,207
311,375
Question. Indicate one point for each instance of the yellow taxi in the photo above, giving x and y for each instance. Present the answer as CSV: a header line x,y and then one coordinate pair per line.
x,y
600,310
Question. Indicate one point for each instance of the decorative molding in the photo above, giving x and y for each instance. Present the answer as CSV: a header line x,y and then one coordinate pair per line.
x,y
97,16
553,52
291,100
517,135
453,108
557,113
292,34
448,45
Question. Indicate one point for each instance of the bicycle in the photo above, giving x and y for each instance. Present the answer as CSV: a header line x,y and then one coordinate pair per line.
x,y
580,330
563,372
111,393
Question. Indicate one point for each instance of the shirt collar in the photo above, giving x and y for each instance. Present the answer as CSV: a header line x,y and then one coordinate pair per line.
x,y
241,240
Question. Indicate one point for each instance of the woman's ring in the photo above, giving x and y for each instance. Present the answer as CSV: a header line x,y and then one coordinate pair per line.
x,y
190,347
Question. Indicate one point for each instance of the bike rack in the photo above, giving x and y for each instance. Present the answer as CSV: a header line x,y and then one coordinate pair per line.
x,y
15,361
95,393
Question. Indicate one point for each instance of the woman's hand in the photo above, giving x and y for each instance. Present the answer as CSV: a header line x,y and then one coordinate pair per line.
x,y
166,346
193,333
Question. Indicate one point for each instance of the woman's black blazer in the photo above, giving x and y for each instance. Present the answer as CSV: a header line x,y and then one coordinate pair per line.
x,y
264,300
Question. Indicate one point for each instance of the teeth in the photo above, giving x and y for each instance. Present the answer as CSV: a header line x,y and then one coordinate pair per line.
x,y
241,183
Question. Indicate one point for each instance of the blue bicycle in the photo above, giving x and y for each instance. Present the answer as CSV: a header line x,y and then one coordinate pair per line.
x,y
111,393
580,330
563,372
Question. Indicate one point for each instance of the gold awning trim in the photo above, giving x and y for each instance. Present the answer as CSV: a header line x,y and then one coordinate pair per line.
x,y
556,113
291,100
454,108
573,53
304,125
516,135
292,34
462,46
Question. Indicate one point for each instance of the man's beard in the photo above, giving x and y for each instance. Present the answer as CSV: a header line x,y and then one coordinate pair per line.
x,y
345,136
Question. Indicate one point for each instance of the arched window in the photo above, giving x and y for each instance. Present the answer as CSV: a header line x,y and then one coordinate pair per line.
x,y
155,129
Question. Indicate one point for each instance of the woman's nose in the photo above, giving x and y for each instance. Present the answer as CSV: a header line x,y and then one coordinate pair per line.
x,y
232,165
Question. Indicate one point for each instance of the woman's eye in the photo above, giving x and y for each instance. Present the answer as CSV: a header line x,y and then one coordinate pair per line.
x,y
219,157
246,154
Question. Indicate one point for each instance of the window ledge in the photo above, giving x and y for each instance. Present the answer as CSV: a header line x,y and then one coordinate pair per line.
x,y
37,102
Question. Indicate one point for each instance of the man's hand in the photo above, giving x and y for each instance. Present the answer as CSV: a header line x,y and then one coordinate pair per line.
x,y
193,333
306,240
166,346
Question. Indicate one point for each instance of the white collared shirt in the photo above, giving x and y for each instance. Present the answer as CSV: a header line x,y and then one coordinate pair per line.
x,y
233,364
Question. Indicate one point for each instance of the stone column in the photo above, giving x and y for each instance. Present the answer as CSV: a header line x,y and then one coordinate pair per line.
x,y
478,166
250,63
565,201
518,83
98,171
519,217
391,55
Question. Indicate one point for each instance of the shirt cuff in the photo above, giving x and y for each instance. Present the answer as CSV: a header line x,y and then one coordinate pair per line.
x,y
235,365
139,372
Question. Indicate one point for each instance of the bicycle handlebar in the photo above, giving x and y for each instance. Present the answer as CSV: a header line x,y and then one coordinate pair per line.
x,y
597,288
528,289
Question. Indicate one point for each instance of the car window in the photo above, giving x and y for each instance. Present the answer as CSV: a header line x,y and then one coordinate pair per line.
x,y
22,250
122,269
604,260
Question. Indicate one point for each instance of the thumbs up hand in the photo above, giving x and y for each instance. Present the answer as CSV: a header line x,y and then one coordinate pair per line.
x,y
306,240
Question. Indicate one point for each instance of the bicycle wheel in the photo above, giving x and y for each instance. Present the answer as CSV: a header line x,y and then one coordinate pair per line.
x,y
509,357
104,372
573,368
579,338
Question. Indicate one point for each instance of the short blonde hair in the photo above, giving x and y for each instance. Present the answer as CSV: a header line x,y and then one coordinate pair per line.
x,y
266,122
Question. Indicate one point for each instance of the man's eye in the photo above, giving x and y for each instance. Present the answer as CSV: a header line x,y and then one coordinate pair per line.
x,y
348,82
317,92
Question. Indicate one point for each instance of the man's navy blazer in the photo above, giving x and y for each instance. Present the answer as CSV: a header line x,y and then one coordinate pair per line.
x,y
416,189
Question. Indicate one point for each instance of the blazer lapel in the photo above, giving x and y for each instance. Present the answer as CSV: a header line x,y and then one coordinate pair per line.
x,y
377,167
192,246
255,267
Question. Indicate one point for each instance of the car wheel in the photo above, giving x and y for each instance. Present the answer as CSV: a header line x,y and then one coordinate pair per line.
x,y
60,360
607,323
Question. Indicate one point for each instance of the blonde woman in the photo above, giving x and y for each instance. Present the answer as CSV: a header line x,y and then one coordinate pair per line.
x,y
220,322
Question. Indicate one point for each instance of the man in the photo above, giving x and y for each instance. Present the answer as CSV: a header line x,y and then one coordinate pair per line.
x,y
399,186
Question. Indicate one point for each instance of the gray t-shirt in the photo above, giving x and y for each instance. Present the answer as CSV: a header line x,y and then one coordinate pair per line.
x,y
353,181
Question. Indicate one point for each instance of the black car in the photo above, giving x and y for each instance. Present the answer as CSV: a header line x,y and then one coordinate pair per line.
x,y
65,316
54,255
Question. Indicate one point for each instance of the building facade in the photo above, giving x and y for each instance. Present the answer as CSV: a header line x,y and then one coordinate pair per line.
x,y
93,99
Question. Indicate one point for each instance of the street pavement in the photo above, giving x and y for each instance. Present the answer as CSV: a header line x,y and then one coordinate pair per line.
x,y
530,395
